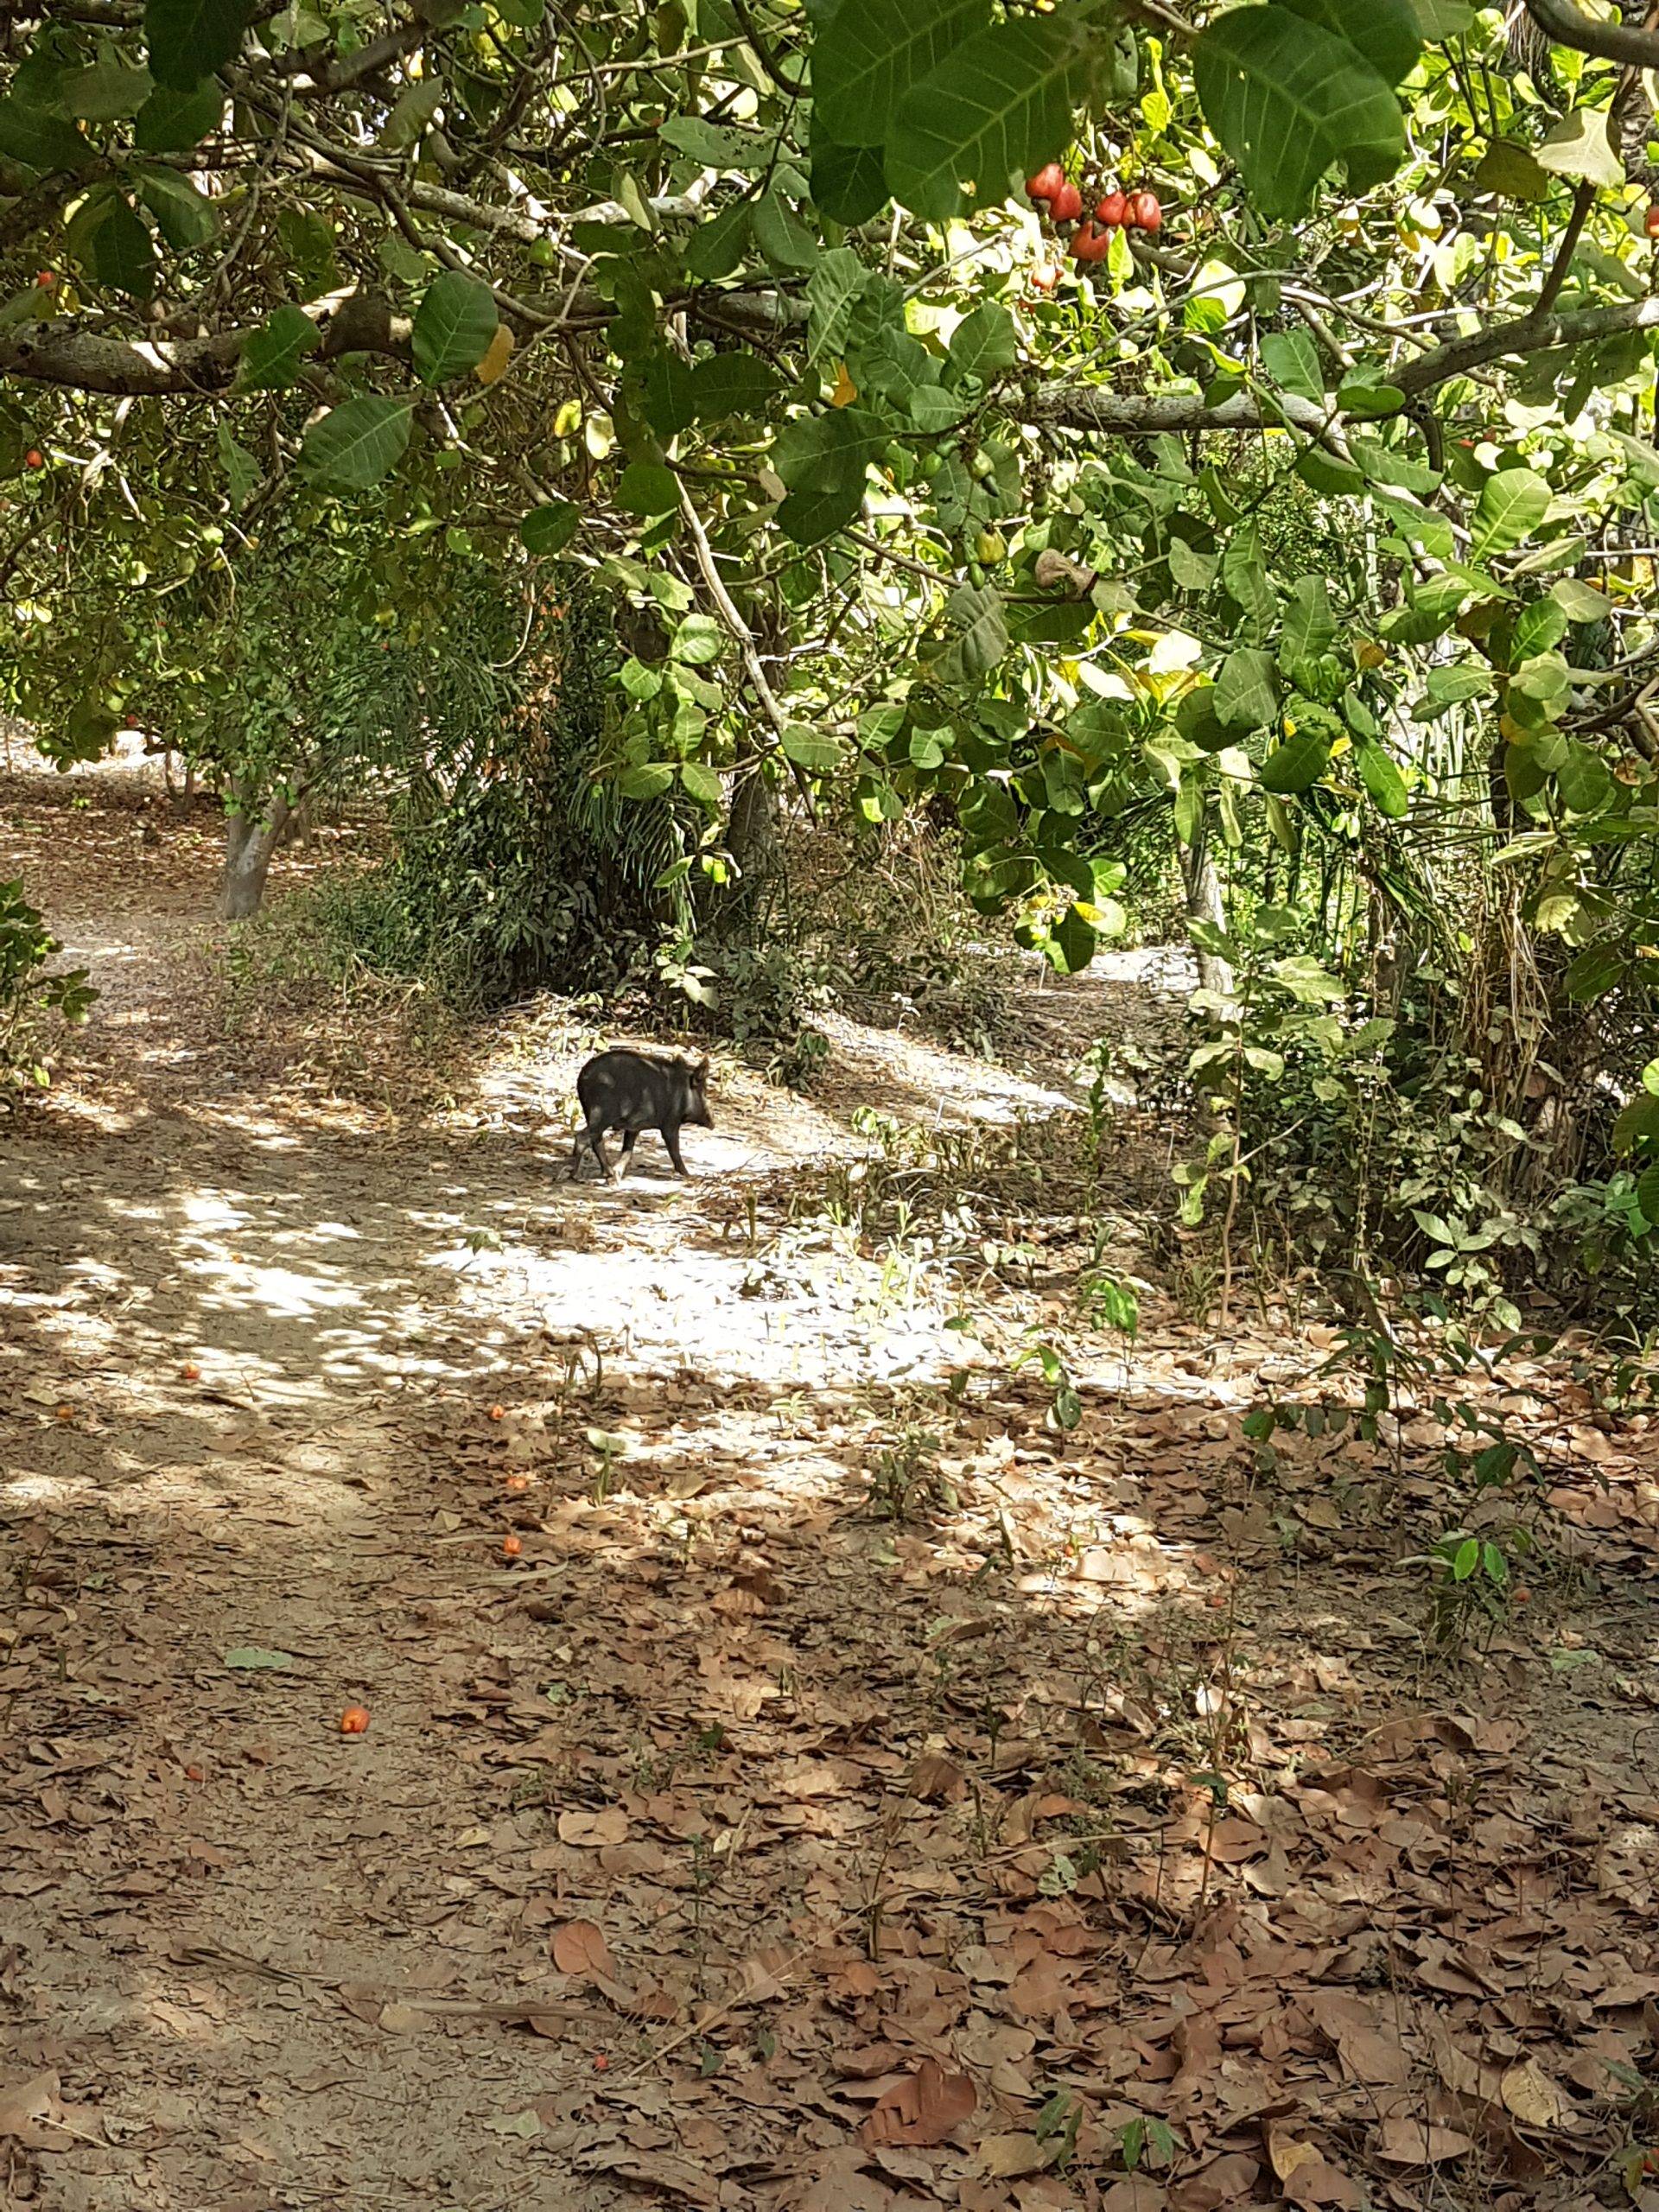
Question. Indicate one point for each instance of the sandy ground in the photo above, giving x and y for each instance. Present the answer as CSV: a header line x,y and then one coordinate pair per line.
x,y
830,1715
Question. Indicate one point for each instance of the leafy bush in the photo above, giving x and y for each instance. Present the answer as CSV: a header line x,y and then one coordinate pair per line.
x,y
29,995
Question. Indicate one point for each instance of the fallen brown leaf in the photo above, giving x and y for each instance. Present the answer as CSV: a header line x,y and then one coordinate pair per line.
x,y
922,2110
1405,2142
578,1947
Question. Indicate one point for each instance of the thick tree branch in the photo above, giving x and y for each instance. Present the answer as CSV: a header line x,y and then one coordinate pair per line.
x,y
1528,333
64,352
1569,25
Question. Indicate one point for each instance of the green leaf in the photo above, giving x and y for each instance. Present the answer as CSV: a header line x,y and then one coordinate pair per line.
x,y
1297,765
703,783
1292,361
780,234
1310,627
358,443
1511,171
273,355
1579,602
1583,779
1593,973
816,750
1636,1124
1647,1194
1582,146
873,51
647,488
717,145
189,39
256,1655
714,248
185,217
1385,33
849,183
1365,393
108,89
453,326
1512,504
822,457
1247,689
40,141
1288,100
1002,100
410,113
1384,782
241,469
107,236
172,122
550,529
645,778
699,639
984,342
979,636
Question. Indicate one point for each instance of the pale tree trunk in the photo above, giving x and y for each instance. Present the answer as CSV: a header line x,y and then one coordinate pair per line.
x,y
1201,879
751,840
250,838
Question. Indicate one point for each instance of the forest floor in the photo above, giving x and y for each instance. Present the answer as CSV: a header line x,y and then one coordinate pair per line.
x,y
852,1791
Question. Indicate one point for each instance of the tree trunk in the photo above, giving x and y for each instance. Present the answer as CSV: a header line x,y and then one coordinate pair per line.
x,y
1201,879
751,840
250,841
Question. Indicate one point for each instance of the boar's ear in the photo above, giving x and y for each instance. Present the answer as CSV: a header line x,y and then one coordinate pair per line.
x,y
700,1070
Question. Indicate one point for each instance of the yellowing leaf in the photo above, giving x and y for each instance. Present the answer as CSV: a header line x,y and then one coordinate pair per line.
x,y
497,355
846,390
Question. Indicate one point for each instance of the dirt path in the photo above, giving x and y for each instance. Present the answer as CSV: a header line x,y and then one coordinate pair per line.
x,y
833,1716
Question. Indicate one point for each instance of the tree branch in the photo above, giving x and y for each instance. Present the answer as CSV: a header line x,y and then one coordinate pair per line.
x,y
64,352
1562,20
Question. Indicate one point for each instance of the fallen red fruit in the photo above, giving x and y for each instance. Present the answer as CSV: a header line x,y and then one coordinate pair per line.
x,y
1046,182
34,458
190,1371
354,1721
1090,244
47,278
1143,212
1066,204
1110,210
498,1413
1650,221
512,1546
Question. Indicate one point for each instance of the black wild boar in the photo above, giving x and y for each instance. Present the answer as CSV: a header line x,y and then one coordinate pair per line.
x,y
633,1091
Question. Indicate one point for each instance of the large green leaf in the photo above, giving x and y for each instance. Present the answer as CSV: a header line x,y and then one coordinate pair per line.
x,y
873,51
1512,504
1296,765
273,355
1383,780
453,326
190,39
821,459
1582,146
112,243
1247,690
172,122
1386,32
1003,101
1310,627
1289,100
360,442
40,141
1583,779
550,529
984,342
849,183
185,217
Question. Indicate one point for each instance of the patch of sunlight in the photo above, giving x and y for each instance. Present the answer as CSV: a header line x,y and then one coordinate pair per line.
x,y
211,1210
45,1490
279,1292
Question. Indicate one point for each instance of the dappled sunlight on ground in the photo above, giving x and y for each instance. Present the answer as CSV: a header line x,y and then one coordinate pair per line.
x,y
766,1693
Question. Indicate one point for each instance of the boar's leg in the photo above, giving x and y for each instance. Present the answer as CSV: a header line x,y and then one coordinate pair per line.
x,y
626,1160
671,1139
